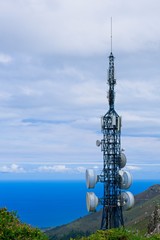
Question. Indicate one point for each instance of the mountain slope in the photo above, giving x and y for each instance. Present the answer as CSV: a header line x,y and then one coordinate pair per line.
x,y
136,218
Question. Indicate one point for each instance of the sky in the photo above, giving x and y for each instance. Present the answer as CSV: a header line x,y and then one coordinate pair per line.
x,y
53,75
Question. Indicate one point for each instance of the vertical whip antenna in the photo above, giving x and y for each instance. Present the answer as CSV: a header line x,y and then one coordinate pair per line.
x,y
111,34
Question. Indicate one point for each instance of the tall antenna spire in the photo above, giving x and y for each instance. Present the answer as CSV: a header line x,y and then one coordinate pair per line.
x,y
111,34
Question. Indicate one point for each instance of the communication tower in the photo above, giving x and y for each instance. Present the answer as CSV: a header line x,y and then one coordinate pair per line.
x,y
114,179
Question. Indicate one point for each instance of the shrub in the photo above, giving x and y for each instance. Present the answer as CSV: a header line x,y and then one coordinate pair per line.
x,y
12,229
118,234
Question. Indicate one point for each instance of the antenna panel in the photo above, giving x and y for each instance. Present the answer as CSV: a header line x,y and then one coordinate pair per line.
x,y
119,123
91,201
127,200
102,122
91,178
113,120
126,179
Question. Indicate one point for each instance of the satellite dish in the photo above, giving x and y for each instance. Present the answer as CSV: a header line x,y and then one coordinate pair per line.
x,y
98,143
126,179
91,201
123,160
91,178
127,200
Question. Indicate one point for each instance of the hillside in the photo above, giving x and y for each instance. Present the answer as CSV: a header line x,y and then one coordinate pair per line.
x,y
137,218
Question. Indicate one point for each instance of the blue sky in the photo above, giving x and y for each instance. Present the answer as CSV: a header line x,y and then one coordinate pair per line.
x,y
53,73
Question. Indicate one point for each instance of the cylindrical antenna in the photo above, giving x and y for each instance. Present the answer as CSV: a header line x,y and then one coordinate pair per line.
x,y
111,34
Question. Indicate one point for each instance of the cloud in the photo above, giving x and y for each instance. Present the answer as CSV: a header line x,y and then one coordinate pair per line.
x,y
13,168
81,169
78,26
133,168
5,59
54,168
53,82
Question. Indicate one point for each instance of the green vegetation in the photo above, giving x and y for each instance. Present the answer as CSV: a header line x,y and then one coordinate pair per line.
x,y
117,234
12,229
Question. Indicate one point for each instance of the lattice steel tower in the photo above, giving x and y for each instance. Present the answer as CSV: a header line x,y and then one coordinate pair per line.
x,y
112,216
114,179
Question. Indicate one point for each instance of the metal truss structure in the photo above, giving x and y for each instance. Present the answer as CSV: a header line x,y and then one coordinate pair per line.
x,y
112,216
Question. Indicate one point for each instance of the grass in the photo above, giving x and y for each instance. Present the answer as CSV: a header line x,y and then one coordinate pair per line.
x,y
118,234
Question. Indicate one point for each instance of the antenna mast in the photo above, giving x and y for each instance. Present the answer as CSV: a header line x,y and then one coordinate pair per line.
x,y
111,34
114,179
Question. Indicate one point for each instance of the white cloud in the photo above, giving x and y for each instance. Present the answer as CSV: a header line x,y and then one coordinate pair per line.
x,y
5,59
13,168
54,168
79,26
134,168
81,169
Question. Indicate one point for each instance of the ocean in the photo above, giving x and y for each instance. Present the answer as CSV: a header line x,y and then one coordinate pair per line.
x,y
46,204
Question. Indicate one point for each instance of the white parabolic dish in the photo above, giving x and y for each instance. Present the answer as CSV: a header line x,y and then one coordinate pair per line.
x,y
128,200
123,160
91,201
91,178
126,179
